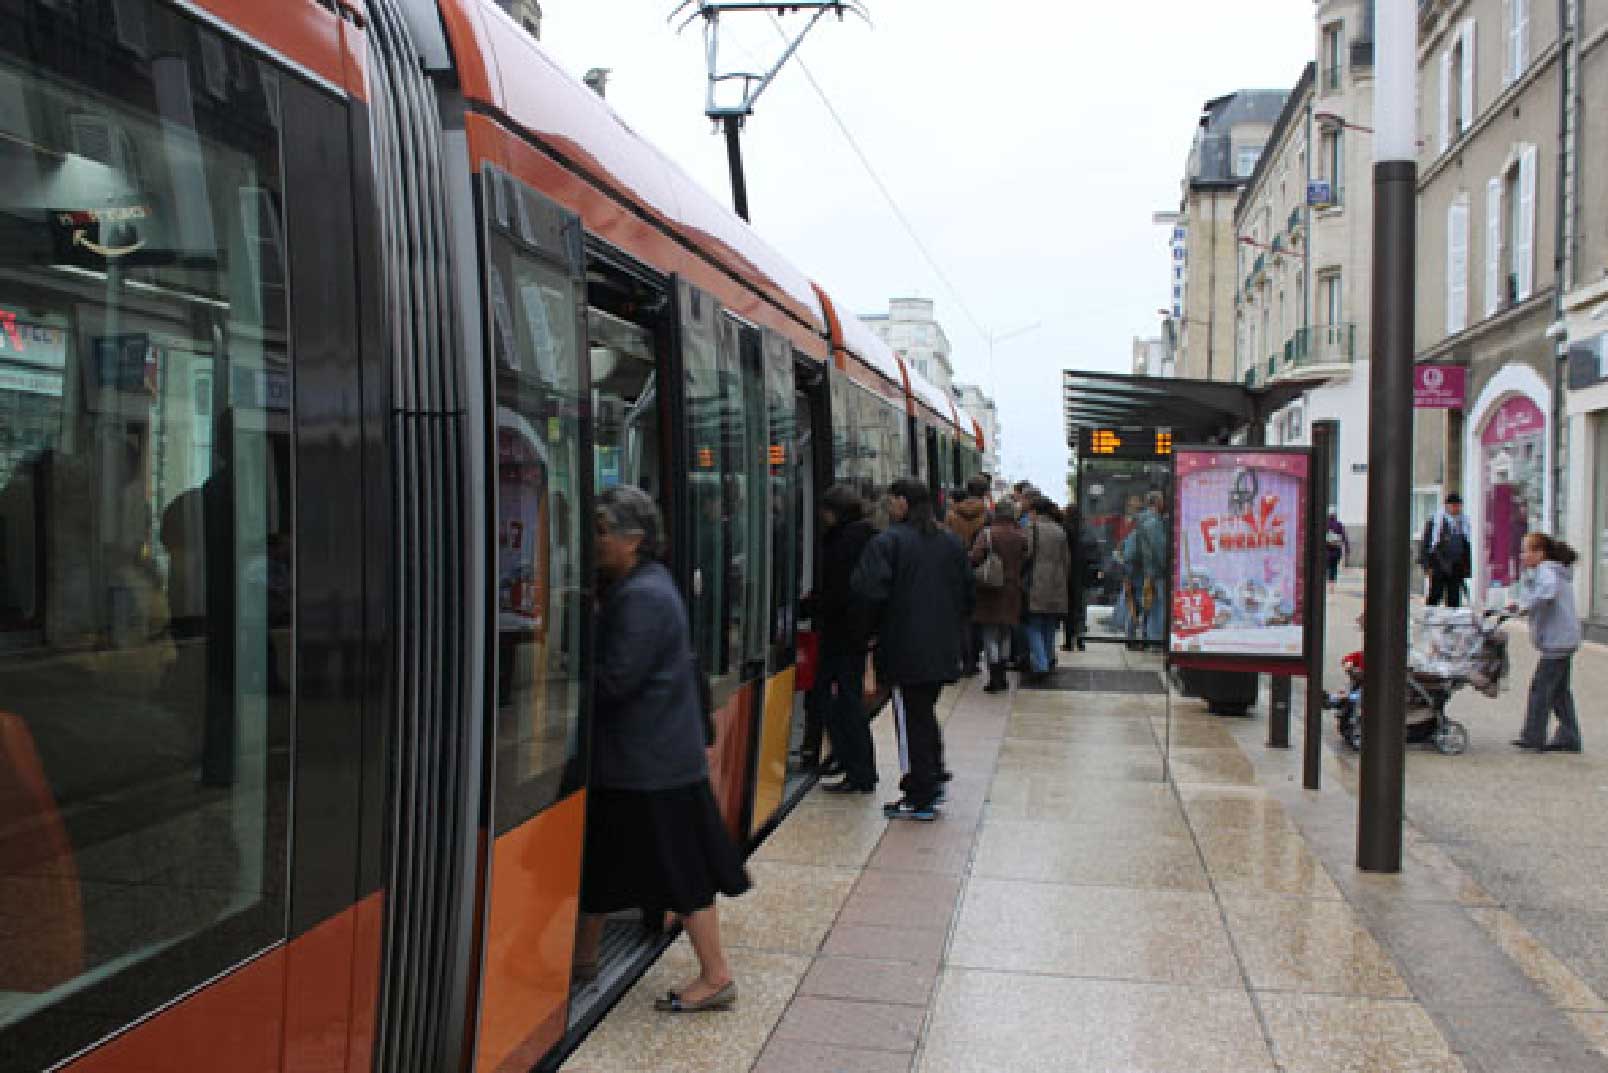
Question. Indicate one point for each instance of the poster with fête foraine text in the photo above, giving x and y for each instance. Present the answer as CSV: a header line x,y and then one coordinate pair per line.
x,y
1239,534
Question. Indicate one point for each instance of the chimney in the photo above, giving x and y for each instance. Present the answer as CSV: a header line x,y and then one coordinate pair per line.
x,y
597,79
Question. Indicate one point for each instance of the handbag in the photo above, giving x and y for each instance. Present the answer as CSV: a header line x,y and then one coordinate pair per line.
x,y
990,573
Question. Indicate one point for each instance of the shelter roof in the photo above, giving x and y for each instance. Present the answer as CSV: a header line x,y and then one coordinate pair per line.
x,y
1197,411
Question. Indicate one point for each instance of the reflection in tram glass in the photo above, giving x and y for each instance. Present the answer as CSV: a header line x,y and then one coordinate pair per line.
x,y
146,559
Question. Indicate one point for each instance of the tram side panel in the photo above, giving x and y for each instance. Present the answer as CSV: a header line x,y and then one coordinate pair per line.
x,y
182,626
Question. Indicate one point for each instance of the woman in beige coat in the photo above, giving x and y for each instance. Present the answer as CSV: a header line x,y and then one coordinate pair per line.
x,y
999,610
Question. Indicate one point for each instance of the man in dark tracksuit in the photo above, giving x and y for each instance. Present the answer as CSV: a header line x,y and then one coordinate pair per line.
x,y
914,574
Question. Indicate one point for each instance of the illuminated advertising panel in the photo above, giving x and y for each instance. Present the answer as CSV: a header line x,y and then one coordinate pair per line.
x,y
1239,579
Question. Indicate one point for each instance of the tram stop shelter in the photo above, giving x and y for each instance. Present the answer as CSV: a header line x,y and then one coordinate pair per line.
x,y
1122,428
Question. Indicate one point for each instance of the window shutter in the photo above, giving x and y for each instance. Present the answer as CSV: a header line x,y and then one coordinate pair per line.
x,y
1521,36
1493,245
1446,100
1510,14
1468,74
1524,241
1457,266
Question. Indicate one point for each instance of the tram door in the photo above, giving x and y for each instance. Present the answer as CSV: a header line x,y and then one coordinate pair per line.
x,y
1125,497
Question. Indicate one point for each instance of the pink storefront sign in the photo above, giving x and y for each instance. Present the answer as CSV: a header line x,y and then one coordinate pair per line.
x,y
1515,418
1440,387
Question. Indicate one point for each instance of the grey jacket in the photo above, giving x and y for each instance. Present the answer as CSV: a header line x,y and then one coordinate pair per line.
x,y
1050,564
1547,596
648,732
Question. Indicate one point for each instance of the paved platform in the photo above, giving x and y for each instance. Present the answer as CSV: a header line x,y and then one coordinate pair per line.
x,y
1083,905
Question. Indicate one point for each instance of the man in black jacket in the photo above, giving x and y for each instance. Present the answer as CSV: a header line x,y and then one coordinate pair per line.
x,y
914,576
1445,554
843,624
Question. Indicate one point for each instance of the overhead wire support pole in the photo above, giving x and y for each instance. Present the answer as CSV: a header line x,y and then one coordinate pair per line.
x,y
730,117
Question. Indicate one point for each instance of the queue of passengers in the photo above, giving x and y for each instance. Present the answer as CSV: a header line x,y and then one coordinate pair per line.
x,y
923,597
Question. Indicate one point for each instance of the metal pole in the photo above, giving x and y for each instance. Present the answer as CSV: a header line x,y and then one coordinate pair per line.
x,y
734,160
1278,685
1316,599
1382,785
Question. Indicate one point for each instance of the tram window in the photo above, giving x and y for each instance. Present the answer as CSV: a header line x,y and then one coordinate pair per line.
x,y
844,440
898,426
869,450
541,584
625,404
717,488
756,550
782,466
146,538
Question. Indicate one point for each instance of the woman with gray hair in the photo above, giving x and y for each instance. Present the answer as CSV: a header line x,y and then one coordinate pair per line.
x,y
654,835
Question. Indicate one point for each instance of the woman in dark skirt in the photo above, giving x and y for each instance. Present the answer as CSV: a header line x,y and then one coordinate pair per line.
x,y
654,835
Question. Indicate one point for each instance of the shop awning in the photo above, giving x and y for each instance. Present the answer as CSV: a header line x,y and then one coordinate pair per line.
x,y
1197,411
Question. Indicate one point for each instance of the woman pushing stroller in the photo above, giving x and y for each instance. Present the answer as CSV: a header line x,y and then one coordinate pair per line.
x,y
1546,595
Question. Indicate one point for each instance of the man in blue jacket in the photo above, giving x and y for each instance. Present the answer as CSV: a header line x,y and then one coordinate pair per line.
x,y
914,575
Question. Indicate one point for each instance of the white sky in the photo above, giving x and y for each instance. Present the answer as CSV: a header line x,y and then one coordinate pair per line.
x,y
1027,143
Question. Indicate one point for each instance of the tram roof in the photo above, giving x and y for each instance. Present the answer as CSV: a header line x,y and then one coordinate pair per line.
x,y
1197,411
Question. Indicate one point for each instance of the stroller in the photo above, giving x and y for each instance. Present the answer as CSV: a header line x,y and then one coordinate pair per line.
x,y
1452,647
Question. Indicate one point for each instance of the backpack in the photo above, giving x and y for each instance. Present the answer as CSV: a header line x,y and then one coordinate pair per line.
x,y
1452,554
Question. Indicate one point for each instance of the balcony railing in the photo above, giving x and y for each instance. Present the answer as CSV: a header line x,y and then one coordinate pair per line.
x,y
1320,346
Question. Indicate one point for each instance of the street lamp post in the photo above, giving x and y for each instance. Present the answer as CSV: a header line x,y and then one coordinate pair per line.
x,y
1382,782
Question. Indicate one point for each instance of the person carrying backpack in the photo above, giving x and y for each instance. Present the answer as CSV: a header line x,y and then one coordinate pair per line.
x,y
1446,555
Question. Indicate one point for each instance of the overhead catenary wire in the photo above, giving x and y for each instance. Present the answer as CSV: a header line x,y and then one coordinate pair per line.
x,y
887,194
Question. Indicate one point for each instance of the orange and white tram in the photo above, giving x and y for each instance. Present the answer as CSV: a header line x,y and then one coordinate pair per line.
x,y
321,324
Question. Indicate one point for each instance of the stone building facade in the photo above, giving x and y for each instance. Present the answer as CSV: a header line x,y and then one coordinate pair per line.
x,y
1584,321
1232,133
910,328
1489,263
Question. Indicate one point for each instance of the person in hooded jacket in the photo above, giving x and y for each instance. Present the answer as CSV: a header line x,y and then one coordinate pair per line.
x,y
843,621
1547,597
965,518
914,575
1050,561
999,610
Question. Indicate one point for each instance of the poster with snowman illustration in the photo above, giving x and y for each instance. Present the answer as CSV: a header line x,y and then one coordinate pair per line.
x,y
1239,534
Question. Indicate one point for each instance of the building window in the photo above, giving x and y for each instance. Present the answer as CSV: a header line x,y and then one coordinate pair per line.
x,y
1457,85
1332,47
1518,38
1518,222
1245,158
1457,265
1329,295
1333,162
